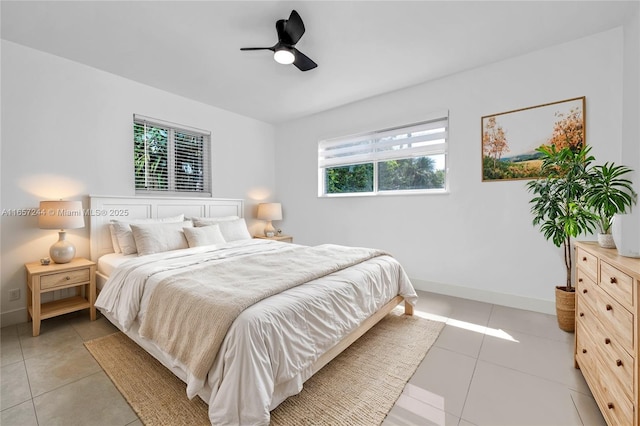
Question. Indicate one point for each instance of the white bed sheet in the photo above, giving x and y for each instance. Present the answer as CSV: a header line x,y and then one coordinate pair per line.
x,y
109,262
269,350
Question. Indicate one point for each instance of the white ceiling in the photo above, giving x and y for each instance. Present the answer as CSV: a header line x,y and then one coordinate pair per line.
x,y
363,48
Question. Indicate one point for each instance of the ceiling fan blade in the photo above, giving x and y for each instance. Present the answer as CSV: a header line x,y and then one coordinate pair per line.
x,y
259,48
302,61
293,29
282,35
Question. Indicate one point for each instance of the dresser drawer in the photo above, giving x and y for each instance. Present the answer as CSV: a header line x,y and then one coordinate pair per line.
x,y
585,348
587,289
587,262
606,349
618,362
64,279
587,318
615,406
616,283
616,320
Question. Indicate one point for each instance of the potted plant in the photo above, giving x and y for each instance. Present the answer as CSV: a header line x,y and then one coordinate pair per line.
x,y
608,193
559,208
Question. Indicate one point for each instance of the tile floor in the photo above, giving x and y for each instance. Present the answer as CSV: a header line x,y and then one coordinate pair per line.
x,y
491,365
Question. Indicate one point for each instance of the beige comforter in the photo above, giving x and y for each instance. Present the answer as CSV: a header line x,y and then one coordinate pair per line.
x,y
190,312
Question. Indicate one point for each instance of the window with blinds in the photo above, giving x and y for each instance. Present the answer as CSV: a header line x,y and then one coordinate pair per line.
x,y
405,159
170,158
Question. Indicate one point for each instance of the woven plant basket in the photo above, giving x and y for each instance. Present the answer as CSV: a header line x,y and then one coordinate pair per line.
x,y
566,309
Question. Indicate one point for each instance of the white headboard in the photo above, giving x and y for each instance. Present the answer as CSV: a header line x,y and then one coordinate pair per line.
x,y
105,208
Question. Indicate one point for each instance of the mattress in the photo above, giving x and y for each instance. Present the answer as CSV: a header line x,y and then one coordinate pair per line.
x,y
109,262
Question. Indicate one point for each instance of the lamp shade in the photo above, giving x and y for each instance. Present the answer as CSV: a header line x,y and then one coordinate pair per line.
x,y
61,215
270,211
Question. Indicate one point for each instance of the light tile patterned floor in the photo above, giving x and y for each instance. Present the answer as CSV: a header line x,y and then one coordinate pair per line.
x,y
491,365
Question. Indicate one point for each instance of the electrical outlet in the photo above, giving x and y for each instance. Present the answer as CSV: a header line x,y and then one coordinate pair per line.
x,y
14,294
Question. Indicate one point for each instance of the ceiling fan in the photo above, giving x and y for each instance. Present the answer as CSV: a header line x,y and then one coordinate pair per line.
x,y
289,33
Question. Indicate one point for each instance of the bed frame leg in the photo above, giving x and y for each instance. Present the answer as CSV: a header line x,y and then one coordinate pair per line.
x,y
408,308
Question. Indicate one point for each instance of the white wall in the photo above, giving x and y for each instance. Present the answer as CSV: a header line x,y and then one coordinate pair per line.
x,y
67,133
631,97
630,226
477,241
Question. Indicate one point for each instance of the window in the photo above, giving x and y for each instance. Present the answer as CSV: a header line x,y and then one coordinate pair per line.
x,y
408,159
170,158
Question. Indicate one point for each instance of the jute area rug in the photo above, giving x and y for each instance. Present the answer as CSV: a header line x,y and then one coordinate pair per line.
x,y
359,387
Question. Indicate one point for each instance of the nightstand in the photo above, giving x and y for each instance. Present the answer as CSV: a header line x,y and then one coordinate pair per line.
x,y
79,273
283,238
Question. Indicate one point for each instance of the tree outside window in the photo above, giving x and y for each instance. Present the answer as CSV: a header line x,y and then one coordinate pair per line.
x,y
170,159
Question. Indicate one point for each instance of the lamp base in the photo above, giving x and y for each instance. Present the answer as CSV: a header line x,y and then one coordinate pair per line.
x,y
269,230
62,251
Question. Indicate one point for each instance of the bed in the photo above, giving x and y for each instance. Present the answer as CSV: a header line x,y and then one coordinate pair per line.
x,y
277,314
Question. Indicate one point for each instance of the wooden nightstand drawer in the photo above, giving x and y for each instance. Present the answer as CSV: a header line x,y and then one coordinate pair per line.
x,y
616,283
64,279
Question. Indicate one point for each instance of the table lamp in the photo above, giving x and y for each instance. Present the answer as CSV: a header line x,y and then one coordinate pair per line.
x,y
61,215
269,212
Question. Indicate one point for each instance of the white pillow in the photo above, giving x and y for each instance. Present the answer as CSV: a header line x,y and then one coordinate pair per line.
x,y
121,232
206,221
204,235
159,237
234,230
114,239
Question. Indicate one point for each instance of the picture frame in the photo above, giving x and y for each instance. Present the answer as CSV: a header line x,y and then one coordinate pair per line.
x,y
510,139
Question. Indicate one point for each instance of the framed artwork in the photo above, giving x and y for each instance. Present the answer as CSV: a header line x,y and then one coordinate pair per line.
x,y
510,139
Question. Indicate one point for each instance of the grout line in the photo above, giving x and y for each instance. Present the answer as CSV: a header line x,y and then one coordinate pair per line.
x,y
26,371
475,366
576,408
35,412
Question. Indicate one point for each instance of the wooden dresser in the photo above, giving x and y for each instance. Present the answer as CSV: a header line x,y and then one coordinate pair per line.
x,y
607,330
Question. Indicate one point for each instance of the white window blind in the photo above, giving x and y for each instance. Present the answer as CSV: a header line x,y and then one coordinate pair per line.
x,y
403,159
417,140
171,158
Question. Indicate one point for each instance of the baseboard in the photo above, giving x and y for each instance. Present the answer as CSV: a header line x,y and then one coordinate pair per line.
x,y
17,316
503,299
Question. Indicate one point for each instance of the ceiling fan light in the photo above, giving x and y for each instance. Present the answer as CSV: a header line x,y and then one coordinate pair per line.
x,y
284,56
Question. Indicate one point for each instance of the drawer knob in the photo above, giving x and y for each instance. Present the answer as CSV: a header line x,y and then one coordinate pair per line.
x,y
584,351
619,363
609,307
584,291
613,280
581,314
579,280
607,341
610,405
584,259
67,278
